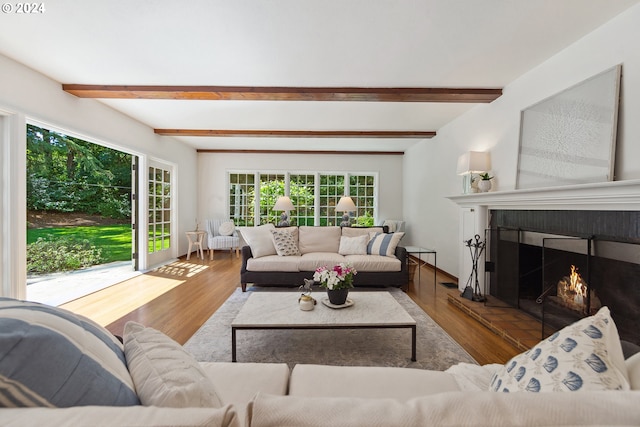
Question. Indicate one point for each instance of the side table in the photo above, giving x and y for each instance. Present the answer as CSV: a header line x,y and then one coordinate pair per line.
x,y
419,251
195,239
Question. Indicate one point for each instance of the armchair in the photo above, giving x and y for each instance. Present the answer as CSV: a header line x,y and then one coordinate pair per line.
x,y
218,236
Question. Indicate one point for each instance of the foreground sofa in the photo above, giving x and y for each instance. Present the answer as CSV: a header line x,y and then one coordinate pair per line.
x,y
170,388
288,255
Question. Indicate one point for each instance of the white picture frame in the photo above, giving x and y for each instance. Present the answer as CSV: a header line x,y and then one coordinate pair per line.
x,y
570,138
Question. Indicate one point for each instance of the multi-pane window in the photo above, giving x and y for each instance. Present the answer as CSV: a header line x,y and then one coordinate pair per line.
x,y
159,209
271,187
302,193
362,191
313,194
242,197
331,189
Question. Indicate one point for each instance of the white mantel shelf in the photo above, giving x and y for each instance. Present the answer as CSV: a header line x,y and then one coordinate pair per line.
x,y
614,195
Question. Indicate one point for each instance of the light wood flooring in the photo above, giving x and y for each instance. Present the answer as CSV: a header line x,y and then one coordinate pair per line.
x,y
178,298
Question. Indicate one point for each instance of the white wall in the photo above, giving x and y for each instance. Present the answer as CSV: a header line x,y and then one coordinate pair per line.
x,y
430,166
213,168
24,92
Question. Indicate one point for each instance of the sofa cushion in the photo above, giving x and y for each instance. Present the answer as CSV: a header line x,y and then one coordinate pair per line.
x,y
164,373
384,244
318,239
360,231
369,382
52,357
449,409
584,356
274,263
285,243
259,239
353,245
110,416
238,383
633,371
374,262
315,260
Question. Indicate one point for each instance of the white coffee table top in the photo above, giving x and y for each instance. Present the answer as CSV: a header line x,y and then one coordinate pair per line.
x,y
281,309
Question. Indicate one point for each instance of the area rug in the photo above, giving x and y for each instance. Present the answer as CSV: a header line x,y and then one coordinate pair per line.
x,y
436,350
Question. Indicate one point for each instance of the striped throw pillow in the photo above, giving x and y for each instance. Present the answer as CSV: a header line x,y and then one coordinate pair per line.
x,y
51,357
384,244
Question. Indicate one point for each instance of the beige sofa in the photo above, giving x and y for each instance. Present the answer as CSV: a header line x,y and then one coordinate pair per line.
x,y
173,389
288,255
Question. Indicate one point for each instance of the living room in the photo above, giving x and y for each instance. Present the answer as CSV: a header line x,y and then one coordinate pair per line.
x,y
416,181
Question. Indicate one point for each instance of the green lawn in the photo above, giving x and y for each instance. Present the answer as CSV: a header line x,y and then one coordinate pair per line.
x,y
115,240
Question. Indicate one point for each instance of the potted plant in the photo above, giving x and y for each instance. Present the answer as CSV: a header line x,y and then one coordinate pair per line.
x,y
337,280
485,182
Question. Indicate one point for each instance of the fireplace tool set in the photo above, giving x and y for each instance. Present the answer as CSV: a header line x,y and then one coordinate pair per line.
x,y
476,247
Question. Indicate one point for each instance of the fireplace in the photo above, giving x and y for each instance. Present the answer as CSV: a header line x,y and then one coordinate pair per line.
x,y
560,266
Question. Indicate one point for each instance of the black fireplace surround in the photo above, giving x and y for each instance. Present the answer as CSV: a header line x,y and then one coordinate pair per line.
x,y
530,251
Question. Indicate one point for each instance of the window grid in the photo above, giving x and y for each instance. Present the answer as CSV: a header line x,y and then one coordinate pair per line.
x,y
362,191
302,193
159,209
271,187
241,198
331,189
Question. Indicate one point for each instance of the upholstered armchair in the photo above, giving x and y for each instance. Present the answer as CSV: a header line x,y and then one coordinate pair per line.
x,y
222,234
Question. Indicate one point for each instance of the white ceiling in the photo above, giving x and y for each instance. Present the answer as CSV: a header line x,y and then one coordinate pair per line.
x,y
318,43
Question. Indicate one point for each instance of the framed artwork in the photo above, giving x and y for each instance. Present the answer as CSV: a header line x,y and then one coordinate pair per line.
x,y
570,138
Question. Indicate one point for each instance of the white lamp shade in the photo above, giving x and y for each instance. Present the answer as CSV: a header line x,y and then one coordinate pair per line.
x,y
345,204
283,204
474,162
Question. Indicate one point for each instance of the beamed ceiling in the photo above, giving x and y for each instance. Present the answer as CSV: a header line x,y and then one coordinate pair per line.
x,y
313,76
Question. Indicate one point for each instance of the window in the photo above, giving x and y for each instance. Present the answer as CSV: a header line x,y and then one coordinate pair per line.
x,y
159,209
314,195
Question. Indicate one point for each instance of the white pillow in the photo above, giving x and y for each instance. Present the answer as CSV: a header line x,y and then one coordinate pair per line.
x,y
226,228
384,244
163,373
584,356
285,243
353,245
259,239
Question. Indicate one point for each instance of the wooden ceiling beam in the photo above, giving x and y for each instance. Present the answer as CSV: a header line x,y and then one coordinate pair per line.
x,y
249,93
295,133
304,152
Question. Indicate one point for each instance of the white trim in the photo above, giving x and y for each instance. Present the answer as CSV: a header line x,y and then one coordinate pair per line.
x,y
613,195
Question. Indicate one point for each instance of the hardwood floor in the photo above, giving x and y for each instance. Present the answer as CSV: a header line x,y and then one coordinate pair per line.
x,y
178,298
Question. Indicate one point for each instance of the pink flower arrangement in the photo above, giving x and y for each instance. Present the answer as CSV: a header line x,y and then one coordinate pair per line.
x,y
339,277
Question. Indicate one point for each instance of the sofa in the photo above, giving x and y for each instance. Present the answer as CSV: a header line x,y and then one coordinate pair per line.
x,y
285,256
77,374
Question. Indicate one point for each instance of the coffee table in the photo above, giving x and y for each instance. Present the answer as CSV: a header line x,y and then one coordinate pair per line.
x,y
279,310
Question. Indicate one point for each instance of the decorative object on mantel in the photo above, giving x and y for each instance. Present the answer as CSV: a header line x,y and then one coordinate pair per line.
x,y
337,280
306,301
484,182
476,247
284,204
570,138
472,162
346,205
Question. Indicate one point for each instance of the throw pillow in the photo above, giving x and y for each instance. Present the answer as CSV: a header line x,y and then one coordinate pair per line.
x,y
353,245
164,373
226,228
259,239
384,244
285,243
584,356
52,357
633,370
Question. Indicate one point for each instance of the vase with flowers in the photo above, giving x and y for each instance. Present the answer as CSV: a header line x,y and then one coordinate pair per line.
x,y
338,280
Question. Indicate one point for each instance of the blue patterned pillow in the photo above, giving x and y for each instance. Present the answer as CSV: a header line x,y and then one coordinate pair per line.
x,y
384,244
52,357
584,356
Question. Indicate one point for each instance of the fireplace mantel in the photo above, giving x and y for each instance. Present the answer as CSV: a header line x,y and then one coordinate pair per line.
x,y
614,195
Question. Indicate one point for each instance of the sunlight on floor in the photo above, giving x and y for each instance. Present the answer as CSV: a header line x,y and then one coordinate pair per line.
x,y
110,304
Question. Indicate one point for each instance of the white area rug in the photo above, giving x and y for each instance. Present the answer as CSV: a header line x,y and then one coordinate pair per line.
x,y
363,347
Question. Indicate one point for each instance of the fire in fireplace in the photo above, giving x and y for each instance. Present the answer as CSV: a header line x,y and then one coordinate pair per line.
x,y
574,293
